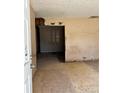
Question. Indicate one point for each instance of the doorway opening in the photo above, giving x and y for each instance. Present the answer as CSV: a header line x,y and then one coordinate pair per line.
x,y
51,42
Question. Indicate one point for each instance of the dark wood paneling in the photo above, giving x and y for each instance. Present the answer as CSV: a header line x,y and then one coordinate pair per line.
x,y
39,21
52,39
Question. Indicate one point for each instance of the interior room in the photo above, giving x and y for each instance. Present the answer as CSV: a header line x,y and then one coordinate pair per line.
x,y
65,46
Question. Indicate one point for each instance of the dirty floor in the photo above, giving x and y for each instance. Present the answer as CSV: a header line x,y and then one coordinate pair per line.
x,y
54,76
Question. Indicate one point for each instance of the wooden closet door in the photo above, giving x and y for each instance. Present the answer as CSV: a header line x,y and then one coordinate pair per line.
x,y
58,37
51,39
45,39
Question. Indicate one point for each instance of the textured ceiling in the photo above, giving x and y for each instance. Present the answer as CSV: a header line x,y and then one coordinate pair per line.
x,y
65,8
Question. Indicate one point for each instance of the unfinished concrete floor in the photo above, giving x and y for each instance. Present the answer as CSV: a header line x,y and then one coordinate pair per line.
x,y
54,76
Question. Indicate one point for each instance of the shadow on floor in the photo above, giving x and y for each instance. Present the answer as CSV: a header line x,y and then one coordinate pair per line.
x,y
93,64
60,56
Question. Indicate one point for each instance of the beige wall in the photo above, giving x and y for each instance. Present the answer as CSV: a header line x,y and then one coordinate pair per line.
x,y
82,37
33,38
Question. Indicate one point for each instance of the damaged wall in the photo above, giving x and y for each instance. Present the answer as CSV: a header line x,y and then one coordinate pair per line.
x,y
82,37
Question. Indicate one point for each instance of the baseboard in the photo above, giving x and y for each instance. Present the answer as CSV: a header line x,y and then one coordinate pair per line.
x,y
87,60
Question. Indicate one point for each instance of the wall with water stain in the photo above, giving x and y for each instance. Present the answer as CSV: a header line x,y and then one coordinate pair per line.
x,y
82,37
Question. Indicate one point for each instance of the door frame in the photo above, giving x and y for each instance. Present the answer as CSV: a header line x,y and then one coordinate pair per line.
x,y
28,49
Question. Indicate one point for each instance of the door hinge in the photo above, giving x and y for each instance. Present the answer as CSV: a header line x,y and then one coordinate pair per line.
x,y
32,66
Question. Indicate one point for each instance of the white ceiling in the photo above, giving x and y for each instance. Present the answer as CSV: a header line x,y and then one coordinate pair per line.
x,y
65,8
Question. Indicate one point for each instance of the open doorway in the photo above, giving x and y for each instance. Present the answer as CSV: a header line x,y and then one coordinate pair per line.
x,y
51,42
